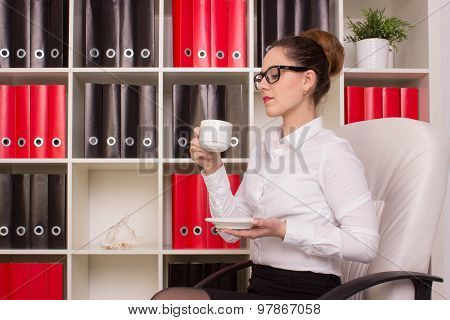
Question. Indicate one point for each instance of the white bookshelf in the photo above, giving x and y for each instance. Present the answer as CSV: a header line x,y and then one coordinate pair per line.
x,y
102,191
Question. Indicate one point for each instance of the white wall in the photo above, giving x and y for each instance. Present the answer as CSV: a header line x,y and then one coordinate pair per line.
x,y
439,24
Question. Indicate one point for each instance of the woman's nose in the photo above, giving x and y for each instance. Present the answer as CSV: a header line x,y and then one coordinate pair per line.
x,y
264,85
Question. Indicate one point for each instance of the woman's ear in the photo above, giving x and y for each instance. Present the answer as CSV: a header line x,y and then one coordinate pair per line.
x,y
309,80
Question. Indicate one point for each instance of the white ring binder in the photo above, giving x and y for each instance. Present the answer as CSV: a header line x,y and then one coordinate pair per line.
x,y
38,142
6,142
234,141
220,54
145,53
54,53
111,141
184,231
187,52
20,231
94,53
129,53
129,141
202,54
147,142
110,53
56,231
21,142
93,141
182,142
4,231
21,53
56,142
39,54
39,230
4,53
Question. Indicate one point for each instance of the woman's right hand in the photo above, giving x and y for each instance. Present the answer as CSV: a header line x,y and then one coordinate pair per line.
x,y
210,161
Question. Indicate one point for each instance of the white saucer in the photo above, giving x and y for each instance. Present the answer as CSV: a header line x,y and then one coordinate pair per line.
x,y
231,223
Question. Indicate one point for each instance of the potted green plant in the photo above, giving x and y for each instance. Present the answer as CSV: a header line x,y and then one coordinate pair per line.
x,y
375,35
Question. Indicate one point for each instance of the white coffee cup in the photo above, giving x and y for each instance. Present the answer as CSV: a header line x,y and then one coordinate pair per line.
x,y
215,135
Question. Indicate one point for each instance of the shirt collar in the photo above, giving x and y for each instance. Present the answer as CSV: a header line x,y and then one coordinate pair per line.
x,y
297,137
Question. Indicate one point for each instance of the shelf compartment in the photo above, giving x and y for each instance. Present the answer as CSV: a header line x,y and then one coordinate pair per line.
x,y
77,32
187,168
409,78
79,81
40,258
192,78
168,34
103,194
112,277
242,275
334,19
413,52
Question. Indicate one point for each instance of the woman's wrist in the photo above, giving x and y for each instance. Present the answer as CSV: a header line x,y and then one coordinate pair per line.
x,y
282,229
212,170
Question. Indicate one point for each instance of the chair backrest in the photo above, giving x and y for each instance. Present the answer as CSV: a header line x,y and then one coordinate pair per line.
x,y
407,165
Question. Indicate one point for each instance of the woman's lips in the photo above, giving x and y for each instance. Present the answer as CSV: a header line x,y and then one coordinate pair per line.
x,y
266,99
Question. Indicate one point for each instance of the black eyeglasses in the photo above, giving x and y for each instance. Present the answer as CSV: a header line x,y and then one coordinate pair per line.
x,y
272,74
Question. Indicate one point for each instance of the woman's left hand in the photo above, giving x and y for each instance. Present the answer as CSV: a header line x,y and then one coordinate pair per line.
x,y
271,227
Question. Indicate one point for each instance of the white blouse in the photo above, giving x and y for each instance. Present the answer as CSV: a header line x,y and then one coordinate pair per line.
x,y
314,180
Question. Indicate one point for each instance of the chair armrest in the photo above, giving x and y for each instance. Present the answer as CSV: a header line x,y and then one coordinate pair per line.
x,y
422,284
222,272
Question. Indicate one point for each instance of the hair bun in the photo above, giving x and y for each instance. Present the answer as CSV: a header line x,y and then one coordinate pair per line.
x,y
333,49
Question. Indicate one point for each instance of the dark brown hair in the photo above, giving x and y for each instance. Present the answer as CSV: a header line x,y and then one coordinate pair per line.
x,y
316,49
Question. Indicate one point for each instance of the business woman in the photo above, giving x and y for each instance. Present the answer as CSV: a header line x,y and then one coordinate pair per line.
x,y
304,187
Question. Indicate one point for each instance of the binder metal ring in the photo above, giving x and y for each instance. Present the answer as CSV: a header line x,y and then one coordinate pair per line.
x,y
214,231
110,53
39,230
6,142
94,53
21,53
54,53
129,141
111,141
184,231
145,53
147,142
182,142
56,142
198,230
187,52
220,54
93,141
4,53
39,54
234,141
236,55
38,142
20,231
56,231
21,142
129,53
4,231
202,54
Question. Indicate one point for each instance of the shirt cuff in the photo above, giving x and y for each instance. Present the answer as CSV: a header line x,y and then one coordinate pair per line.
x,y
298,234
217,183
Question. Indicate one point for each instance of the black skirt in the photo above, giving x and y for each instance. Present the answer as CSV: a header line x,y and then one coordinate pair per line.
x,y
269,283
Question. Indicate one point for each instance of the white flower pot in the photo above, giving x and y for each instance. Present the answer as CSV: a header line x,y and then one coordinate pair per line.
x,y
372,53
